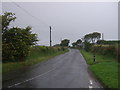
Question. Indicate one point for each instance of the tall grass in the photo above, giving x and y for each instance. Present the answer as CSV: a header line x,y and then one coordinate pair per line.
x,y
105,68
37,55
39,51
107,50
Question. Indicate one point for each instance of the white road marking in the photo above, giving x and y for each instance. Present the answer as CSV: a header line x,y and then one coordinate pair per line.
x,y
90,86
31,78
91,82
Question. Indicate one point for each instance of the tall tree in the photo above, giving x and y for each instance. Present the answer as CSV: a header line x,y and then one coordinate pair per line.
x,y
92,37
77,43
96,36
16,41
6,19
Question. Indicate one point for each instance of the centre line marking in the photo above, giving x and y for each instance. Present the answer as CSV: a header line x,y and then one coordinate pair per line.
x,y
91,82
90,87
31,78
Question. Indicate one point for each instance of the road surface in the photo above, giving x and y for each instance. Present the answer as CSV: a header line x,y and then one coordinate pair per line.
x,y
68,70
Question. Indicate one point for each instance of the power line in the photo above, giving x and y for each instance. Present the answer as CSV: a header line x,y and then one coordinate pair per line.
x,y
34,18
30,14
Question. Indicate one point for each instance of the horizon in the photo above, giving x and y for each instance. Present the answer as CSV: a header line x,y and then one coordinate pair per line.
x,y
69,20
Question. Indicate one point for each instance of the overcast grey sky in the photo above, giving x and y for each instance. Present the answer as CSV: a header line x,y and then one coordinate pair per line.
x,y
70,20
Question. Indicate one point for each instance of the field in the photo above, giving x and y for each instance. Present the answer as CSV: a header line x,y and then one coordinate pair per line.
x,y
37,55
105,68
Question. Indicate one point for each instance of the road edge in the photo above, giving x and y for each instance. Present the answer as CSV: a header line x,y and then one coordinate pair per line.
x,y
101,84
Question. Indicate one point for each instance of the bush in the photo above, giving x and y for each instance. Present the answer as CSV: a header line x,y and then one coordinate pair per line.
x,y
110,50
112,42
87,46
16,41
44,50
16,47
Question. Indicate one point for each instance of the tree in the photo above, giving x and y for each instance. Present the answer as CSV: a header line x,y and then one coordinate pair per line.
x,y
87,46
96,37
87,38
92,37
78,42
6,19
65,42
101,42
74,44
16,42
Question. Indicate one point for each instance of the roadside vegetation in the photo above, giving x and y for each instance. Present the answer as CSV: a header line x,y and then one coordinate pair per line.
x,y
107,50
16,41
102,56
105,68
37,54
20,50
19,46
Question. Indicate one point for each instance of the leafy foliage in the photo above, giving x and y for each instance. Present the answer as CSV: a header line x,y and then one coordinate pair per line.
x,y
57,45
77,43
87,46
6,19
108,42
44,50
16,41
105,69
107,50
65,42
37,55
74,44
92,37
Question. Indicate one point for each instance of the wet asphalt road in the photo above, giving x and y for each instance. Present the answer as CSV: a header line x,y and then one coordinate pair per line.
x,y
68,70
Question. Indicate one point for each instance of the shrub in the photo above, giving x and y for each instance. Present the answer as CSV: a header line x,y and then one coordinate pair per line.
x,y
16,41
87,46
111,50
37,51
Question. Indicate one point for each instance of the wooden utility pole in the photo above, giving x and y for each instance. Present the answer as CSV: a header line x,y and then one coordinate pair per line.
x,y
102,36
50,37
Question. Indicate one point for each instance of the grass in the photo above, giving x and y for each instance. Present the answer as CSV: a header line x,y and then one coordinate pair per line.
x,y
34,58
105,68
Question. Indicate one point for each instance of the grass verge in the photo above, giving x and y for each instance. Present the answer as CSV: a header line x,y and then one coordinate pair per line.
x,y
34,58
105,68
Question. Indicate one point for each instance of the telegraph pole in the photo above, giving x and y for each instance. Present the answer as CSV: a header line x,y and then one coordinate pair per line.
x,y
50,37
102,36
